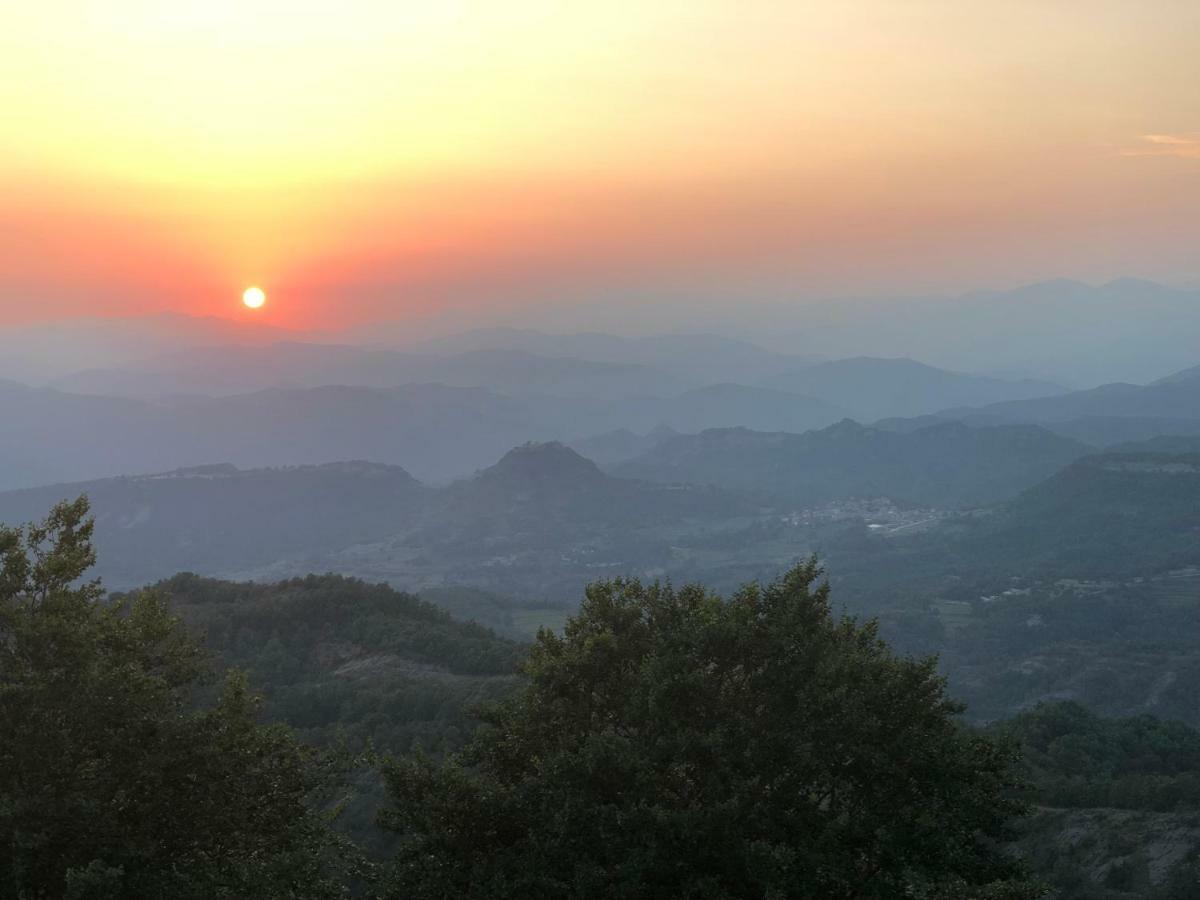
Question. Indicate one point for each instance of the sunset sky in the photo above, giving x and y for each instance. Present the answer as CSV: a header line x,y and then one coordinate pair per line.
x,y
386,160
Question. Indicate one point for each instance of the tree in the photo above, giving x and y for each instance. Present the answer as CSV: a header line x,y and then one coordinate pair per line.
x,y
675,744
112,782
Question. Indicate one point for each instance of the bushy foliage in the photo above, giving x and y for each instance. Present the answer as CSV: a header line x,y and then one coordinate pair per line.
x,y
674,743
1074,758
112,784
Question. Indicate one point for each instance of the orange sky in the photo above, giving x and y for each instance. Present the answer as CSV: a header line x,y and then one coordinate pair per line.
x,y
365,160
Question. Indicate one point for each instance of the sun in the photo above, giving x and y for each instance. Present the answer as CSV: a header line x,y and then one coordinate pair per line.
x,y
253,297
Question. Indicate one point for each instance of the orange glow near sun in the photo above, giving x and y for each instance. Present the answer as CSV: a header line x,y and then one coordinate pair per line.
x,y
369,158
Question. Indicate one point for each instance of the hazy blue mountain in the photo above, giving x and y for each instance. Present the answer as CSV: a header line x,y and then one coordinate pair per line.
x,y
739,406
1097,431
1177,397
549,487
1113,431
1069,332
219,519
48,436
697,358
620,444
1183,376
872,388
1162,444
1106,416
437,432
537,503
236,369
42,352
1063,331
947,464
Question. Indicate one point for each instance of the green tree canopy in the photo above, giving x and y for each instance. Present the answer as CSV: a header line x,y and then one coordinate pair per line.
x,y
112,782
676,744
1075,758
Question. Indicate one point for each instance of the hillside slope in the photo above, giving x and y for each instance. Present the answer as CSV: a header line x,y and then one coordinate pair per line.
x,y
333,654
1109,514
947,464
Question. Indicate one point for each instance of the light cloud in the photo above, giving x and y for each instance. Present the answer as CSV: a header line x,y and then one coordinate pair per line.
x,y
1184,146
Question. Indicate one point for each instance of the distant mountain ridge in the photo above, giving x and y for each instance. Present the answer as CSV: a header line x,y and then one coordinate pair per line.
x,y
699,358
550,489
1170,399
240,369
946,464
1104,416
1128,329
221,520
874,388
620,444
1061,330
436,431
44,351
550,465
1182,377
1066,331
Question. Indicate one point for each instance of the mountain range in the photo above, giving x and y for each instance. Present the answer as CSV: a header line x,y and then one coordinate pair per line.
x,y
435,431
543,517
946,465
1061,331
1104,416
873,388
40,352
219,520
1176,397
300,404
238,369
1068,332
865,388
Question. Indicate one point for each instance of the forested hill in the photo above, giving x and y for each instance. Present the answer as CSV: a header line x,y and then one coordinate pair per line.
x,y
1106,515
947,464
337,655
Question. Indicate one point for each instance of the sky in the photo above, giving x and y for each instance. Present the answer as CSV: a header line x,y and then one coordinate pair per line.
x,y
366,161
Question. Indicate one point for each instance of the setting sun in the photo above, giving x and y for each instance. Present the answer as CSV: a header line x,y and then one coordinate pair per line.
x,y
253,298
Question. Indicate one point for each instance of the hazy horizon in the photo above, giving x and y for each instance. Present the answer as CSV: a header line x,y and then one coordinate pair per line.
x,y
1062,330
